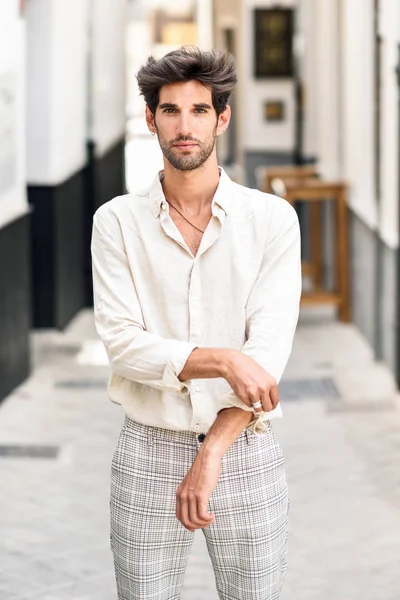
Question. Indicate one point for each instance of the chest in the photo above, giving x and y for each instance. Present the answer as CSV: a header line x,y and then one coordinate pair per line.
x,y
192,235
220,269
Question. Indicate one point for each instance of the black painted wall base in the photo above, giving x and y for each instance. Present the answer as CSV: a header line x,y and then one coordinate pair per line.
x,y
15,304
57,251
104,180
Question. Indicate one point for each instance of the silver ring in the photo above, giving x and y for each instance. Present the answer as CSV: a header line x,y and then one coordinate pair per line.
x,y
257,404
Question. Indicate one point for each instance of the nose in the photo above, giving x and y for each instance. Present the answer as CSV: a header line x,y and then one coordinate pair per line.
x,y
183,125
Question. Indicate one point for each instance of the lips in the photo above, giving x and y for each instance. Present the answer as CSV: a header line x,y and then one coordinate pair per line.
x,y
185,145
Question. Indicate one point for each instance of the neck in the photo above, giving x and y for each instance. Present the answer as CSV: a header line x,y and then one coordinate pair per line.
x,y
191,190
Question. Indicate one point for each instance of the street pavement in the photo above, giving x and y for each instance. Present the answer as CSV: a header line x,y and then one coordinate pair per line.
x,y
340,434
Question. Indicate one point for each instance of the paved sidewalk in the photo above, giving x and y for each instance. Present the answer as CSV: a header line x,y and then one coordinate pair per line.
x,y
341,436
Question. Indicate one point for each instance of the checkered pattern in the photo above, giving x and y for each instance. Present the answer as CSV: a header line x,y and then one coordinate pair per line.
x,y
247,542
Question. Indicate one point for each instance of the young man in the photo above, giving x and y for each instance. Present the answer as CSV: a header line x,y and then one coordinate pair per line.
x,y
196,293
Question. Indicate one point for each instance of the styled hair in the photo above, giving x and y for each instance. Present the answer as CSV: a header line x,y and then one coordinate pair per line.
x,y
215,70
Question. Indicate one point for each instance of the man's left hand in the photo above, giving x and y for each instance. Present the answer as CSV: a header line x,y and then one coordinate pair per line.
x,y
195,490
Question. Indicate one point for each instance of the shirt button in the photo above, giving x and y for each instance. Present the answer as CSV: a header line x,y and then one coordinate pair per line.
x,y
197,389
197,427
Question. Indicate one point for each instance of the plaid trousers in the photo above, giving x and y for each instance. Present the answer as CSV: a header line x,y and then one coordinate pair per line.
x,y
247,542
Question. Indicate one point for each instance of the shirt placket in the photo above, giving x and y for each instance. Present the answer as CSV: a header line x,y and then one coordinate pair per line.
x,y
201,409
200,402
195,334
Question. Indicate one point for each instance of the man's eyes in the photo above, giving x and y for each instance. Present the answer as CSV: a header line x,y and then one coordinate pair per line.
x,y
174,110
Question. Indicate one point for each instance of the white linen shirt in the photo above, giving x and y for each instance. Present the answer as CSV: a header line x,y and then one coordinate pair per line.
x,y
154,302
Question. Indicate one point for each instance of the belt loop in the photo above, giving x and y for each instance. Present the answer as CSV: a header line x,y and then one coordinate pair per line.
x,y
150,436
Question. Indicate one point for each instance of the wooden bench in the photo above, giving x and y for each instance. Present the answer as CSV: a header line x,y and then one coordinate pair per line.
x,y
284,172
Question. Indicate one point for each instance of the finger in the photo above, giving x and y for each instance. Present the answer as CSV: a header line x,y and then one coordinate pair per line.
x,y
254,397
243,395
184,513
274,396
258,406
266,401
204,516
193,516
195,519
178,508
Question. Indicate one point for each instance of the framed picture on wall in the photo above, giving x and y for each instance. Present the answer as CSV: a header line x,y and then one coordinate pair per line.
x,y
274,111
273,41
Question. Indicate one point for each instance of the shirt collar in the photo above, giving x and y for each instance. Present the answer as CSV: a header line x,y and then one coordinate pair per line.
x,y
222,196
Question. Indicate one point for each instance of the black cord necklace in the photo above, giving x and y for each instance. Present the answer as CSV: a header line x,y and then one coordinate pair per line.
x,y
183,217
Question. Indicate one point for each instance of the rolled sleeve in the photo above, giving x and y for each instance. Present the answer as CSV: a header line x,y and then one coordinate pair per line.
x,y
180,354
258,424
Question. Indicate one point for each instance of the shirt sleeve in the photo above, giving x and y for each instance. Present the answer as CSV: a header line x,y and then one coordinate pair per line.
x,y
133,352
272,308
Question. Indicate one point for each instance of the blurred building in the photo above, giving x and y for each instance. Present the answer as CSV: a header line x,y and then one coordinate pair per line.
x,y
62,136
348,56
317,84
14,210
345,119
75,142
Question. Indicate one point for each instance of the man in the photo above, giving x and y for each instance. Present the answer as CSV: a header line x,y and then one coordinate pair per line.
x,y
196,293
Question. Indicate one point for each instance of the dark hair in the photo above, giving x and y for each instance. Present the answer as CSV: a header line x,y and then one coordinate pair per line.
x,y
215,70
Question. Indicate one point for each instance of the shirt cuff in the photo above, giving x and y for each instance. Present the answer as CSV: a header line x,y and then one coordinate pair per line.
x,y
260,422
179,356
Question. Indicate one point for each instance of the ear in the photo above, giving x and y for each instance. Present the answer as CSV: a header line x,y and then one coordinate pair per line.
x,y
223,120
150,121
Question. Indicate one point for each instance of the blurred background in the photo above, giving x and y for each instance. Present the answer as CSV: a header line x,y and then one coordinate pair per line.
x,y
316,121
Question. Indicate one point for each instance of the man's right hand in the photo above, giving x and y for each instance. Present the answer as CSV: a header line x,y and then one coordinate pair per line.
x,y
250,382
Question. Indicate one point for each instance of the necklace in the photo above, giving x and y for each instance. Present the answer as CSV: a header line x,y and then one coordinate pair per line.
x,y
183,217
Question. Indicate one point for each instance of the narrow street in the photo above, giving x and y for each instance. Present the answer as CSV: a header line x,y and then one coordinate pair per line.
x,y
302,99
340,435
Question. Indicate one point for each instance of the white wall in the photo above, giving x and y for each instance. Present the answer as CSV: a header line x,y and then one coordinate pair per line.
x,y
358,141
138,49
389,142
307,37
13,200
326,56
227,16
56,89
258,134
338,70
204,21
108,73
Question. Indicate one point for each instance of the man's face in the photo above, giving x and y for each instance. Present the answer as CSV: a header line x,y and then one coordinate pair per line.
x,y
186,124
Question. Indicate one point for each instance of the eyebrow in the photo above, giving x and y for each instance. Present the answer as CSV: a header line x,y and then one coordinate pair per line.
x,y
196,105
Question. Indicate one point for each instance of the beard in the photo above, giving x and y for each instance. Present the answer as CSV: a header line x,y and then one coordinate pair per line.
x,y
192,159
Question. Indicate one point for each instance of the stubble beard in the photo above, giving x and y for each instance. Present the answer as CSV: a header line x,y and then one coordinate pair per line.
x,y
190,160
